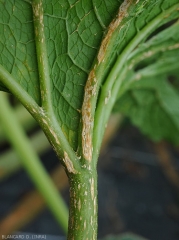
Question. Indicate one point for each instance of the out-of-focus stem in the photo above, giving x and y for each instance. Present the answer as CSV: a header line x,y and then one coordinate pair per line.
x,y
31,162
9,160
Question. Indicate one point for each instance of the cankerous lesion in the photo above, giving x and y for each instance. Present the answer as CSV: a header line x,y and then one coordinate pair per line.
x,y
123,12
93,85
69,164
87,118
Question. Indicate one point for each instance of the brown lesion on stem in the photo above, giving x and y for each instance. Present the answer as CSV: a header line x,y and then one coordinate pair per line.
x,y
83,206
68,164
39,24
42,55
92,84
87,119
38,11
123,12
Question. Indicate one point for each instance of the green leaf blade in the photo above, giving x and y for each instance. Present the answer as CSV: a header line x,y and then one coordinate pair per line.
x,y
73,35
17,47
149,98
152,105
73,32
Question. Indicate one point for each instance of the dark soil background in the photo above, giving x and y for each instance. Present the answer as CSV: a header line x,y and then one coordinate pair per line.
x,y
134,193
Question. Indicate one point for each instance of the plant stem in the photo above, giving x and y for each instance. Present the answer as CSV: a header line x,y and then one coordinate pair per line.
x,y
25,119
42,57
17,90
111,87
31,162
83,206
9,161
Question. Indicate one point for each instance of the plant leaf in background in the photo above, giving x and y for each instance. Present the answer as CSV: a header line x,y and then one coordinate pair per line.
x,y
151,98
73,32
17,47
68,68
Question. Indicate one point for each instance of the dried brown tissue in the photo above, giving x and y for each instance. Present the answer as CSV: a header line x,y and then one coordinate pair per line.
x,y
112,27
90,88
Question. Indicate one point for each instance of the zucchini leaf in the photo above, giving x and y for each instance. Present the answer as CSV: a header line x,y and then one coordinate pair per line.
x,y
73,31
150,96
48,48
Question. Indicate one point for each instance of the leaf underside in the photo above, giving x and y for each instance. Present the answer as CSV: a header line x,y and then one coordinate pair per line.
x,y
151,96
73,31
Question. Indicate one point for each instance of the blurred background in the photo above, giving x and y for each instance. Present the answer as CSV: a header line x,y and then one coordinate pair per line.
x,y
138,184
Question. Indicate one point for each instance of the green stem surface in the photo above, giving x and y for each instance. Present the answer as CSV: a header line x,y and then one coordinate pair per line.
x,y
42,56
83,206
111,87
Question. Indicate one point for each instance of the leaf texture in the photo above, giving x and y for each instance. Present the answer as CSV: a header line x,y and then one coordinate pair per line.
x,y
17,46
73,34
150,97
73,31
